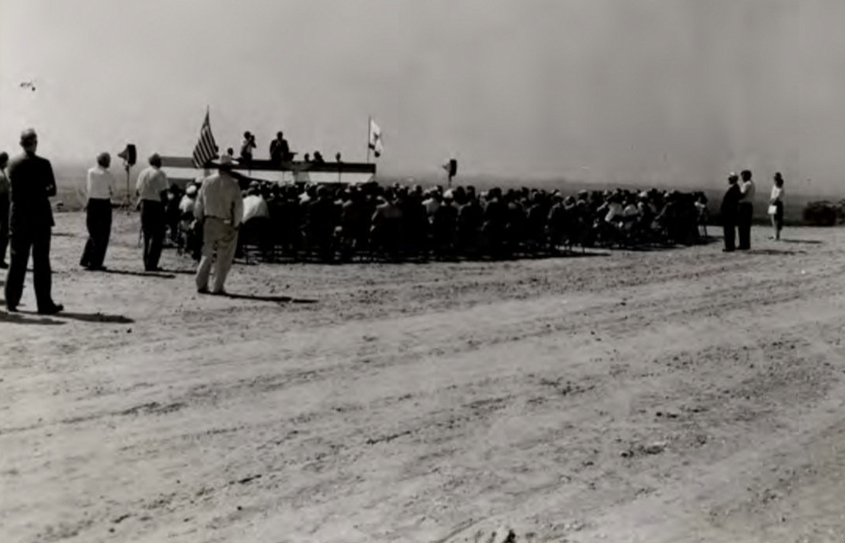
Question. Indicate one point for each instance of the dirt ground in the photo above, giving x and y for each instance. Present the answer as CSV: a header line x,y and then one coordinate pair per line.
x,y
655,396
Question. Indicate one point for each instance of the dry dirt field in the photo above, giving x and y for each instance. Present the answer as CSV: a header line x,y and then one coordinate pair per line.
x,y
663,396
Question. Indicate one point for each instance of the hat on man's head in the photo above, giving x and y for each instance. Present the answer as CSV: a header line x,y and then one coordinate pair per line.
x,y
191,190
226,160
28,136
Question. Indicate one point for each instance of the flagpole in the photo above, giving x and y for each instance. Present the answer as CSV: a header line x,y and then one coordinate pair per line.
x,y
369,125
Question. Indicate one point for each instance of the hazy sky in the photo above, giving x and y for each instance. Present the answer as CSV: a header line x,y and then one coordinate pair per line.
x,y
618,90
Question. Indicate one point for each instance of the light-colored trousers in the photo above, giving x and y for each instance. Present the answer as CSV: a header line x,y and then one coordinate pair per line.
x,y
221,239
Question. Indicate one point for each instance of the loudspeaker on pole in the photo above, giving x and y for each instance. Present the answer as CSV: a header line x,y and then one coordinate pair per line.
x,y
129,155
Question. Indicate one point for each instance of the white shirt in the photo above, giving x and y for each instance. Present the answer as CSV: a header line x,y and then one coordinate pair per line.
x,y
220,197
100,183
255,206
748,189
777,194
431,206
630,211
186,205
151,183
614,211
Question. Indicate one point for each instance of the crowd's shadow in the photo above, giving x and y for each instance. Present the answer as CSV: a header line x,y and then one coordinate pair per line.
x,y
274,299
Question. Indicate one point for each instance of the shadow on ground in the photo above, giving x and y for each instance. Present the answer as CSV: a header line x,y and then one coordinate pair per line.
x,y
83,317
17,318
162,274
803,241
275,299
774,252
180,272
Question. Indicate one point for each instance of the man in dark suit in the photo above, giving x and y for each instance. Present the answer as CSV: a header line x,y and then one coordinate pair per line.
x,y
728,212
746,210
31,225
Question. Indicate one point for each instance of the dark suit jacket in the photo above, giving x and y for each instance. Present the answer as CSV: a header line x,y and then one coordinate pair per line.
x,y
32,185
730,203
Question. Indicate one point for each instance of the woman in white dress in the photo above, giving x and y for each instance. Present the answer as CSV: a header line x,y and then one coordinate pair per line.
x,y
776,206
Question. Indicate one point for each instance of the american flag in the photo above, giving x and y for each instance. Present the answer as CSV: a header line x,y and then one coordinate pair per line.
x,y
206,148
374,142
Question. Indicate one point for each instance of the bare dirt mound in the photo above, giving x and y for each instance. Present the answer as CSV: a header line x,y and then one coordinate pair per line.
x,y
684,395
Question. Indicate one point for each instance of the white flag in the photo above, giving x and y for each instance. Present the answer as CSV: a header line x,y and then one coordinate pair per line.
x,y
375,139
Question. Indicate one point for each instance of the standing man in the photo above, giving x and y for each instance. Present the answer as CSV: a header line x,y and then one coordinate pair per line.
x,y
5,202
279,149
745,213
728,212
151,187
247,147
220,210
100,188
32,182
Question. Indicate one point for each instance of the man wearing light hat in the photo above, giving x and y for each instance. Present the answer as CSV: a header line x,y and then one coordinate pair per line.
x,y
220,209
31,223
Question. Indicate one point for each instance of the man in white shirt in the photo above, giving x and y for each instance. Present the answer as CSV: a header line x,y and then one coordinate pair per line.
x,y
745,212
100,189
220,209
255,206
151,185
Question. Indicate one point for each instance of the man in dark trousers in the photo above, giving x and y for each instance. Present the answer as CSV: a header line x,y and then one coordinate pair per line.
x,y
728,212
100,188
745,214
152,185
31,225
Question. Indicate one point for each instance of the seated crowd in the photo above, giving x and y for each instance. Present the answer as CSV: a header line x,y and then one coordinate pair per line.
x,y
407,222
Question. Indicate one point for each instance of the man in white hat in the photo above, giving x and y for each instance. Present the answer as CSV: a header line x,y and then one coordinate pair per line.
x,y
220,209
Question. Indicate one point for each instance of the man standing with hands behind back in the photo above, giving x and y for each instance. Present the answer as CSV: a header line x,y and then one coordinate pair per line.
x,y
220,210
31,224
